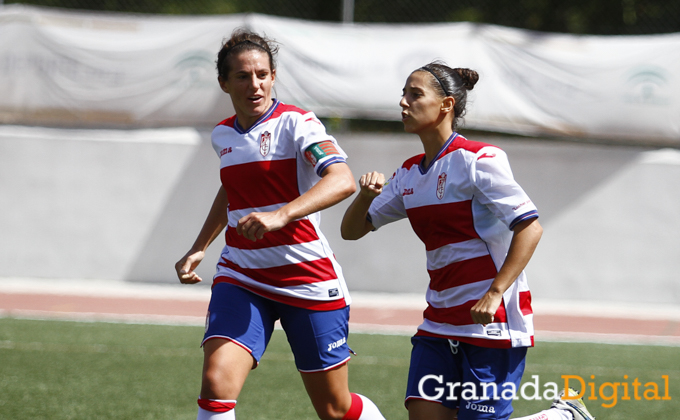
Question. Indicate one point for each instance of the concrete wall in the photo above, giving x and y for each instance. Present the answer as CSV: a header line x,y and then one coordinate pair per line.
x,y
74,207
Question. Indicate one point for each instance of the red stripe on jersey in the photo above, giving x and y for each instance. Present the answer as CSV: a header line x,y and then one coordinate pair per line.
x,y
462,272
525,303
460,315
259,184
442,224
479,342
285,108
229,122
296,232
314,305
471,146
415,160
306,272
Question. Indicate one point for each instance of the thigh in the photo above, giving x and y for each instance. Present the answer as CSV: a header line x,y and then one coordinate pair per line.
x,y
429,410
494,375
435,369
318,339
241,317
329,391
226,366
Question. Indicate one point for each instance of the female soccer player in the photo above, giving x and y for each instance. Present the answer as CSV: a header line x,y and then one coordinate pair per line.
x,y
278,169
480,229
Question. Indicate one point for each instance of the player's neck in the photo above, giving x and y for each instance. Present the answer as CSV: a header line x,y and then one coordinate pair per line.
x,y
433,141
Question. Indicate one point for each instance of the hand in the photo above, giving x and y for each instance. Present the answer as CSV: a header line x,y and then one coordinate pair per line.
x,y
371,184
185,267
484,310
255,225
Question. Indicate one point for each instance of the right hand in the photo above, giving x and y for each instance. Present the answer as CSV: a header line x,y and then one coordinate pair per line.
x,y
185,267
371,184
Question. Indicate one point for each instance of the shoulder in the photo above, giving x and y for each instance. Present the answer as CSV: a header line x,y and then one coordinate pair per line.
x,y
285,110
475,147
294,114
412,161
475,150
229,122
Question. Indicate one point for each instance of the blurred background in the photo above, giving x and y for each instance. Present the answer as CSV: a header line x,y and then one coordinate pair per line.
x,y
600,17
106,108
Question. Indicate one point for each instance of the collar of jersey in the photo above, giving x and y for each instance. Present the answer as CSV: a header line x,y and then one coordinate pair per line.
x,y
439,154
268,113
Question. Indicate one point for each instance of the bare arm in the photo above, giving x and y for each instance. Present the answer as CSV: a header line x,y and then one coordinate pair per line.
x,y
336,184
215,222
524,240
354,223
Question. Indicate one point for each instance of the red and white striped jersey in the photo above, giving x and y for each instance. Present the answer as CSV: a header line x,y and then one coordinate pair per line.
x,y
263,168
463,207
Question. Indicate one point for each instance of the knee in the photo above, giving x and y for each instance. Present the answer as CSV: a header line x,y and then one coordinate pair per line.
x,y
331,411
213,384
218,384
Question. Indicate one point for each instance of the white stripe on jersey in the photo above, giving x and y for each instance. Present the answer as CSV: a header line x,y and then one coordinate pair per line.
x,y
478,331
236,215
472,330
276,256
457,295
456,252
315,291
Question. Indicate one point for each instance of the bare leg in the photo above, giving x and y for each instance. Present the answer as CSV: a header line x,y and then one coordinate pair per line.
x,y
226,366
329,392
429,410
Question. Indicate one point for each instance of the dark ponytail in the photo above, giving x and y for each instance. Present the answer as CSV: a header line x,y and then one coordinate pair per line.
x,y
452,82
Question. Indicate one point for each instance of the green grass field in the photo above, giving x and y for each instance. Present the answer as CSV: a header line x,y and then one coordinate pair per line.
x,y
76,370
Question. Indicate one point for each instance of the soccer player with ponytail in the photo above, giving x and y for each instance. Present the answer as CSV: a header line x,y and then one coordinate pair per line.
x,y
480,230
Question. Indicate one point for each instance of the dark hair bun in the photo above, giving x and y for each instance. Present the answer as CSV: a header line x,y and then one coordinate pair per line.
x,y
469,77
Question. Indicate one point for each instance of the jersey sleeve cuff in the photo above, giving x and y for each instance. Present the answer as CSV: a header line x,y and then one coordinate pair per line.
x,y
533,214
326,163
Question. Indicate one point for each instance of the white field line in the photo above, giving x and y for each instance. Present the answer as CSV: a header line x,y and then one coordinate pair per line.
x,y
356,328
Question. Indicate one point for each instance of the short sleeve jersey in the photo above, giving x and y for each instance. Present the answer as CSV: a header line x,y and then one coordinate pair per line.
x,y
463,207
263,168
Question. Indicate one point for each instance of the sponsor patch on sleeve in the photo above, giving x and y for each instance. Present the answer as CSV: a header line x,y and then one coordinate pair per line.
x,y
318,151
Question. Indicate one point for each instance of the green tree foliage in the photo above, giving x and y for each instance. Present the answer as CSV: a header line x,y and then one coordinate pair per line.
x,y
600,17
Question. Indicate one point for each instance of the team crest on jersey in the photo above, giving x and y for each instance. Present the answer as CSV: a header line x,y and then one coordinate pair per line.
x,y
441,185
265,143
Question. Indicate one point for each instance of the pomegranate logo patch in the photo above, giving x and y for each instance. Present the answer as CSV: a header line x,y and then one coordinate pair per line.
x,y
441,185
265,143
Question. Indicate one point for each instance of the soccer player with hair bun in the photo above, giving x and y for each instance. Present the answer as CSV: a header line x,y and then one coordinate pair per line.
x,y
480,230
279,168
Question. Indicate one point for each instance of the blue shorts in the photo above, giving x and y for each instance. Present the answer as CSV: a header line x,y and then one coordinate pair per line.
x,y
452,373
318,339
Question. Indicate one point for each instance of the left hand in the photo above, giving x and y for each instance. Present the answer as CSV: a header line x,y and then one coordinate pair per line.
x,y
484,310
255,225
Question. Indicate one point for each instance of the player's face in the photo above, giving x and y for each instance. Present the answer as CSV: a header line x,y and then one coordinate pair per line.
x,y
249,83
420,105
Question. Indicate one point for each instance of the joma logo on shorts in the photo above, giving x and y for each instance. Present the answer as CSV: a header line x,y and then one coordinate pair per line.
x,y
337,344
480,407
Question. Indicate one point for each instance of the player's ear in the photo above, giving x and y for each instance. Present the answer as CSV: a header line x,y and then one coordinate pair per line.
x,y
223,84
273,76
447,104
